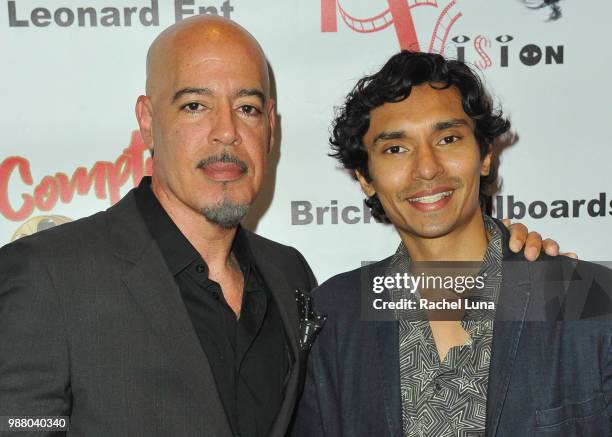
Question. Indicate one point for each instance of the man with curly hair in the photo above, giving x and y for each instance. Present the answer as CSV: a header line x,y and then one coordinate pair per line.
x,y
518,357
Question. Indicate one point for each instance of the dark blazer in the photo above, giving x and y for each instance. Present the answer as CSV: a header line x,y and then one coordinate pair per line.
x,y
92,326
550,373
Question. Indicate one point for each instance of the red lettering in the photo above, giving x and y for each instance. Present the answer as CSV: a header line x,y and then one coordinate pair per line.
x,y
135,152
6,169
104,177
66,187
404,25
140,166
329,20
82,180
118,175
45,194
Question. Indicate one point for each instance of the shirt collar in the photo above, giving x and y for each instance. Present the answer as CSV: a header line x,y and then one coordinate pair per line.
x,y
493,253
490,268
174,246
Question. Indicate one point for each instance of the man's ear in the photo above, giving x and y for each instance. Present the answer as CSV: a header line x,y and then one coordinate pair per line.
x,y
485,165
272,122
144,115
366,186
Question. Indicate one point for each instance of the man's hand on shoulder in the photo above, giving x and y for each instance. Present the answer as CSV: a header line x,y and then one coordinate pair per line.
x,y
532,241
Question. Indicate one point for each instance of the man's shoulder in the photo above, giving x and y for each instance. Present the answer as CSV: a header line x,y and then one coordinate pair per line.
x,y
560,266
272,250
260,243
343,290
288,260
69,241
57,254
584,283
63,236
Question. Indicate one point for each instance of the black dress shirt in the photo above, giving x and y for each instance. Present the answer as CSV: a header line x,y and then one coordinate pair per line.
x,y
248,355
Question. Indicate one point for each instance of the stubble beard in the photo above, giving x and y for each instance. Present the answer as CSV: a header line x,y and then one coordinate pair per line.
x,y
226,213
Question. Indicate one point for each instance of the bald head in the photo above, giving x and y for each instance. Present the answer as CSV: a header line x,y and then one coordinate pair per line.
x,y
209,117
202,36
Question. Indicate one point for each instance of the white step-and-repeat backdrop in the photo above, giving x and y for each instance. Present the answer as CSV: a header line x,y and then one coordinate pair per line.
x,y
71,71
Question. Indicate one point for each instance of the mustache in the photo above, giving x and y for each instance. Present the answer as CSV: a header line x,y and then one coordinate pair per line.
x,y
225,158
452,182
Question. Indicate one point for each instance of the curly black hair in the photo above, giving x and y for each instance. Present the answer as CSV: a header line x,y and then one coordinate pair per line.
x,y
393,83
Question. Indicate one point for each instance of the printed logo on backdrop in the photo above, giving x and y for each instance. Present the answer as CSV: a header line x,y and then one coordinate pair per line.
x,y
335,212
104,14
104,178
553,6
484,51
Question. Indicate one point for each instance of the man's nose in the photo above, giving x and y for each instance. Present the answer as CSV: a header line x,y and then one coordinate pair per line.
x,y
224,130
427,164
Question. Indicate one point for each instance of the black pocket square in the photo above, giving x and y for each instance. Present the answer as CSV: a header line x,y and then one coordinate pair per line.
x,y
310,322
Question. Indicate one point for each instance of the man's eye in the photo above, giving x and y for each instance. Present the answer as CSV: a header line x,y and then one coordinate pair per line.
x,y
393,149
249,110
193,107
449,139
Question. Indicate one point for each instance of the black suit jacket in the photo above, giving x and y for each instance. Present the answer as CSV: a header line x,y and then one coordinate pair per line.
x,y
92,326
551,366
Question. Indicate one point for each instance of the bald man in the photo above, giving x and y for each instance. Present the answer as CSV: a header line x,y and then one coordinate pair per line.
x,y
162,316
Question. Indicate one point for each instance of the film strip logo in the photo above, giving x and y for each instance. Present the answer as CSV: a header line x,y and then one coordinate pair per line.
x,y
398,13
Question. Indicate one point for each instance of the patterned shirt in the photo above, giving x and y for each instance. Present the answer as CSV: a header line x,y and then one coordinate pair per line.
x,y
449,398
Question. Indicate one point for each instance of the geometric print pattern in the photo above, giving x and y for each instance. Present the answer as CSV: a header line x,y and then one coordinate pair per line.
x,y
449,398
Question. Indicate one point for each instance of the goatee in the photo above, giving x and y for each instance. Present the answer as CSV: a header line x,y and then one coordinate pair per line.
x,y
226,213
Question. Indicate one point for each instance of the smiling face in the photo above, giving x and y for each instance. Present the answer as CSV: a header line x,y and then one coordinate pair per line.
x,y
208,117
424,163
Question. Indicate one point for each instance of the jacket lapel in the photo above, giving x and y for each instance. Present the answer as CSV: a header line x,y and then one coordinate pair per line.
x,y
284,297
510,315
387,336
154,289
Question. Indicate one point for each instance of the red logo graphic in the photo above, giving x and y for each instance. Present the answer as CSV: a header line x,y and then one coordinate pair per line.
x,y
105,177
398,13
480,42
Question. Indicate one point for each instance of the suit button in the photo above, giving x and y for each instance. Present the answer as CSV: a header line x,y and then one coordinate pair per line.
x,y
200,268
438,387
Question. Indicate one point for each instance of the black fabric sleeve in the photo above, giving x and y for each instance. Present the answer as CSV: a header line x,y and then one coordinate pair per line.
x,y
34,358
